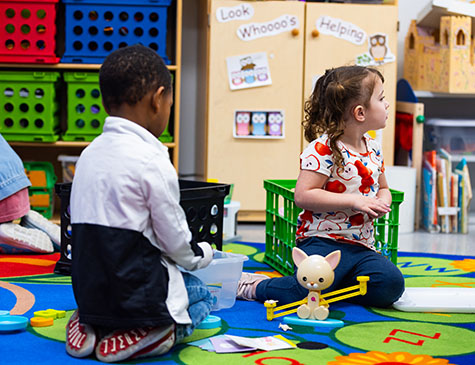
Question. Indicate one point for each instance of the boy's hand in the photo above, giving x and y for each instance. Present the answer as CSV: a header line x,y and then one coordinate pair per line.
x,y
374,207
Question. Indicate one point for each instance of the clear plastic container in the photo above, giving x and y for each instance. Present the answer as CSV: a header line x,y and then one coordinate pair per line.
x,y
222,276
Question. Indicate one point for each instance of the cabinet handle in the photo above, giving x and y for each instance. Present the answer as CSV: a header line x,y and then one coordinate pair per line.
x,y
315,33
295,32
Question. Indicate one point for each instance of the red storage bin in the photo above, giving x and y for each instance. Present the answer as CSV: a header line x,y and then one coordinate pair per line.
x,y
27,31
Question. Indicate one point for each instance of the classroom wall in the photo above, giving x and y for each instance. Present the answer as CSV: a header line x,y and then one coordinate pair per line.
x,y
191,90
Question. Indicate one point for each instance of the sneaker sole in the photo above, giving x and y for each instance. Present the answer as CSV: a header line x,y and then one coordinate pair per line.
x,y
36,220
122,345
80,338
25,238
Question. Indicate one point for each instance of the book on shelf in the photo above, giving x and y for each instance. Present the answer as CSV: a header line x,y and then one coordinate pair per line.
x,y
447,193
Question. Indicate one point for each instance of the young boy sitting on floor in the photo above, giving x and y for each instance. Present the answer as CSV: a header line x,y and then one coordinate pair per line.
x,y
129,232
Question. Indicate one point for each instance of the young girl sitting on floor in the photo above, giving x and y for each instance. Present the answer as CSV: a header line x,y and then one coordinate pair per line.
x,y
341,189
34,233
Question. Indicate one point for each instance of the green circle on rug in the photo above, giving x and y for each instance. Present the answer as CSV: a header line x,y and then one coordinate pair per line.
x,y
413,337
413,265
55,332
239,248
252,252
194,355
259,257
426,316
440,282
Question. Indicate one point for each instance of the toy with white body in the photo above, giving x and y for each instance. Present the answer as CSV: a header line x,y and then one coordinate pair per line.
x,y
314,273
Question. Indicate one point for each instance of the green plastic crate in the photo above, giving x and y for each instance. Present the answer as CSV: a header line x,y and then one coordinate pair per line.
x,y
85,113
29,105
41,192
281,226
166,136
40,173
43,195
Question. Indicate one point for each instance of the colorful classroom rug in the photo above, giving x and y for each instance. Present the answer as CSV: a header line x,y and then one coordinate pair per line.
x,y
369,336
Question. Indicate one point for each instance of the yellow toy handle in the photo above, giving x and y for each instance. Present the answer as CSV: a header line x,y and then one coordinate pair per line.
x,y
360,289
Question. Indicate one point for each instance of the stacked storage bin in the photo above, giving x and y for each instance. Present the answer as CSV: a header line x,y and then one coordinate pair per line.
x,y
29,106
41,191
28,31
94,28
85,113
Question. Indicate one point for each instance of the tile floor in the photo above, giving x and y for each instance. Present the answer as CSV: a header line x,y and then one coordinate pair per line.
x,y
419,241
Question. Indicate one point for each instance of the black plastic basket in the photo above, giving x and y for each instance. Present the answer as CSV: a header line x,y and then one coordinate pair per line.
x,y
202,202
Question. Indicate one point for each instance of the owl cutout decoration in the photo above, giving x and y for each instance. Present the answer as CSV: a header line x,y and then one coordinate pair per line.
x,y
243,120
275,121
377,47
258,123
378,53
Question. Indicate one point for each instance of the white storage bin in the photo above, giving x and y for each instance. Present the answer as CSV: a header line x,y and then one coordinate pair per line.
x,y
222,276
230,220
69,167
456,136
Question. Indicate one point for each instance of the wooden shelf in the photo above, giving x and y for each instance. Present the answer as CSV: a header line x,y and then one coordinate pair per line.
x,y
430,94
63,66
50,150
64,144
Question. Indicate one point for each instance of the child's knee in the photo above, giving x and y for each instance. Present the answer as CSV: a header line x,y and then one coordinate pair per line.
x,y
387,289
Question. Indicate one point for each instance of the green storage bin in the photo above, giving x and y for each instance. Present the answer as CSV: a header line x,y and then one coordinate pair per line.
x,y
41,192
42,201
166,136
29,105
85,113
40,173
281,226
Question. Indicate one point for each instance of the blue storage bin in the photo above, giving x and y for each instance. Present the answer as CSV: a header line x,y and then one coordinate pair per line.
x,y
95,28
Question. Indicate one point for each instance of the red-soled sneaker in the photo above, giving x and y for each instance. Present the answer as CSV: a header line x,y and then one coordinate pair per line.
x,y
136,343
80,337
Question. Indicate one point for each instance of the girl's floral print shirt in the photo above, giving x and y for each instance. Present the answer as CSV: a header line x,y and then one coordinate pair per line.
x,y
360,175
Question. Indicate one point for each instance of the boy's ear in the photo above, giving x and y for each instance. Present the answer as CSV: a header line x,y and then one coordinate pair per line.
x,y
359,113
157,98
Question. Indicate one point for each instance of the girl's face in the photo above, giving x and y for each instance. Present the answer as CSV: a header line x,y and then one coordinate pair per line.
x,y
377,112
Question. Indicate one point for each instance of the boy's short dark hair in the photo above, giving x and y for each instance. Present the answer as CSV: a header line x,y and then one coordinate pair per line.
x,y
129,73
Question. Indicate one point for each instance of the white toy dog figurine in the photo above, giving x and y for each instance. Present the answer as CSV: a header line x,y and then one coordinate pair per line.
x,y
314,273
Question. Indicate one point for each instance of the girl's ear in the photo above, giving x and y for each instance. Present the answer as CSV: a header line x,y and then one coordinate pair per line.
x,y
359,113
157,98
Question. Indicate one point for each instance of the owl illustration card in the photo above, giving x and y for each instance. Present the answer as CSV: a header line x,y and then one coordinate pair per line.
x,y
242,121
275,122
246,71
378,51
258,121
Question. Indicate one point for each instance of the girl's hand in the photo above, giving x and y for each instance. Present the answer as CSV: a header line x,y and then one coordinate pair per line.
x,y
374,207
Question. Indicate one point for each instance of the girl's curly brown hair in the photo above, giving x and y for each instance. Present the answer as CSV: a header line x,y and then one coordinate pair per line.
x,y
331,100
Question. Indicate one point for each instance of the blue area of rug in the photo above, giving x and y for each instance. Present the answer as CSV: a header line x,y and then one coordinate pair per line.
x,y
380,335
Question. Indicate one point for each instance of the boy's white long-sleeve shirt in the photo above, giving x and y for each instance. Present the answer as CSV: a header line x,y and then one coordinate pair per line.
x,y
125,186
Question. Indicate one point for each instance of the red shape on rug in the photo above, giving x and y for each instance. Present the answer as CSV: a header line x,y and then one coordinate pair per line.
x,y
26,265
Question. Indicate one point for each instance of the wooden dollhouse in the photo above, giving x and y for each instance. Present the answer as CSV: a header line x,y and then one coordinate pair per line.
x,y
441,60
